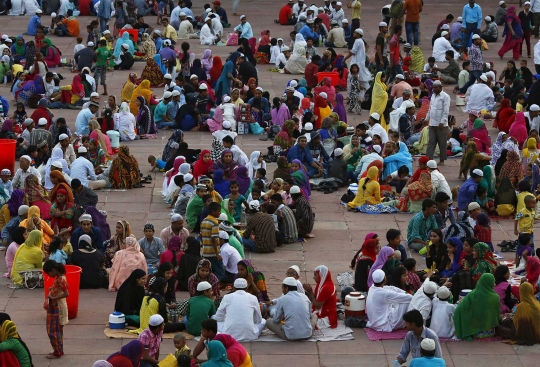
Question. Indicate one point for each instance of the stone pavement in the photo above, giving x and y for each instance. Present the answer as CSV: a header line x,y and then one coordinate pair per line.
x,y
339,233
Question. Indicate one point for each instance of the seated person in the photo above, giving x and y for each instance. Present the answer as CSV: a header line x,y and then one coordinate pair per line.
x,y
199,308
417,331
428,348
323,298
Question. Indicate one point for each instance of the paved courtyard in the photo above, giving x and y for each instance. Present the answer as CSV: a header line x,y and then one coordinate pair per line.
x,y
339,233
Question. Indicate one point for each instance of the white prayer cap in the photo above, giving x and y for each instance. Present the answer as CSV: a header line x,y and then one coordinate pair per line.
x,y
175,93
5,37
82,150
339,3
226,124
483,77
23,209
400,76
444,33
259,89
445,26
295,268
309,21
5,172
338,152
487,18
156,320
193,76
293,83
294,190
407,45
475,36
359,31
534,108
290,281
27,157
437,83
57,164
182,14
432,164
430,288
490,74
39,11
459,19
226,99
90,44
242,17
407,104
223,235
223,216
53,15
167,76
203,87
383,24
167,94
375,116
254,205
478,172
345,21
176,217
501,2
125,46
285,48
324,95
109,32
240,283
428,344
308,126
377,148
188,177
527,3
378,276
203,286
443,292
94,94
42,121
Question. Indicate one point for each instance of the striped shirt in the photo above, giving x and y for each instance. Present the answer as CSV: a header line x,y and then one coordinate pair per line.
x,y
262,226
287,224
209,231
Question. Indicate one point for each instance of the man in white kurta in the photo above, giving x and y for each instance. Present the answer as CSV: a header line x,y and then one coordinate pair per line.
x,y
239,314
479,96
207,36
216,24
30,7
185,30
421,300
16,7
385,305
358,57
441,45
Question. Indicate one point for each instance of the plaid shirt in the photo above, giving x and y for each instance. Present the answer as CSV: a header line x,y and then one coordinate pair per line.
x,y
475,56
413,281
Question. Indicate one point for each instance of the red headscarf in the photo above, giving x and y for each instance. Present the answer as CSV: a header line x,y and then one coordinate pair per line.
x,y
533,270
518,129
502,119
376,163
422,160
217,67
369,249
77,88
176,166
201,168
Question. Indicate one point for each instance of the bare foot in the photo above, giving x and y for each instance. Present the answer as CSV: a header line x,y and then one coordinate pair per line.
x,y
309,235
52,356
441,163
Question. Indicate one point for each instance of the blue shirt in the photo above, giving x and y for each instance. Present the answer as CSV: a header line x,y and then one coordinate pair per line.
x,y
9,227
427,362
82,121
245,30
307,32
95,234
472,15
160,164
467,193
172,108
33,24
419,227
161,109
265,105
104,9
302,154
81,168
187,11
158,42
223,15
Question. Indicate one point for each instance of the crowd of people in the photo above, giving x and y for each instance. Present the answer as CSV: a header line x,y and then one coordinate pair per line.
x,y
222,203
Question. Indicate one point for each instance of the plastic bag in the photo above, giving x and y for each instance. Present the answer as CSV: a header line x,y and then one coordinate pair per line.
x,y
232,40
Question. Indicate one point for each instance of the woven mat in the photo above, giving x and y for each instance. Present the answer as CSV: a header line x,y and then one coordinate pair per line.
x,y
123,334
375,335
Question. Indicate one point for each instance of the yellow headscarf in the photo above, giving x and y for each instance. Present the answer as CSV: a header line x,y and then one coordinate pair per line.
x,y
35,239
33,212
373,173
379,99
9,330
527,312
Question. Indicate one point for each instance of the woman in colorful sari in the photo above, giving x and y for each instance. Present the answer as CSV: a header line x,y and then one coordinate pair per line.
x,y
51,53
504,113
497,147
453,257
323,298
301,178
142,90
484,261
416,193
518,130
152,72
72,93
477,315
145,118
124,172
472,158
117,241
236,353
481,136
512,167
327,88
30,89
284,138
34,221
217,355
363,261
28,256
59,182
125,262
227,165
96,155
203,165
102,139
18,50
61,210
215,70
129,87
531,152
488,181
204,274
123,40
513,33
280,113
244,182
369,190
130,354
526,316
379,97
37,196
228,74
13,351
393,162
147,47
321,110
255,279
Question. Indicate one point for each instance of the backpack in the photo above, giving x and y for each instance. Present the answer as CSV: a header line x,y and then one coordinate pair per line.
x,y
395,8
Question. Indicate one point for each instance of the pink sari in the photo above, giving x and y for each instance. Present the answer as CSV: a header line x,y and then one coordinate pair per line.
x,y
124,262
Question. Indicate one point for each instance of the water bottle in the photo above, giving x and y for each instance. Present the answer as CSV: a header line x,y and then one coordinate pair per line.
x,y
396,363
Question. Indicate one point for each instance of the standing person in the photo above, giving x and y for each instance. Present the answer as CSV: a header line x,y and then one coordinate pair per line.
x,y
527,19
103,55
210,239
513,33
472,21
56,306
413,8
395,58
104,14
535,8
356,7
437,117
358,57
380,47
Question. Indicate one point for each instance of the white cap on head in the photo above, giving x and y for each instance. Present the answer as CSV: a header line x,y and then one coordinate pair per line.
x,y
339,3
39,11
57,164
375,116
82,150
338,152
156,320
475,36
445,26
377,148
242,17
400,76
285,48
483,77
430,287
203,86
295,268
478,172
27,157
378,276
42,121
176,217
473,206
487,18
182,14
259,89
359,31
240,283
226,124
444,33
167,76
167,43
90,44
23,209
345,21
193,76
501,2
167,94
293,84
437,83
125,46
5,37
432,164
8,40
534,108
53,15
5,172
294,190
62,137
109,32
226,99
324,95
308,126
427,344
309,21
383,24
254,205
527,3
459,19
175,93
223,216
188,177
203,286
443,292
490,74
407,45
290,281
94,94
223,235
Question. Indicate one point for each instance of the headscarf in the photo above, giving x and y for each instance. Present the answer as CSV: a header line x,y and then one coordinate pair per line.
x,y
152,72
99,221
207,61
201,168
527,315
280,114
123,40
101,137
129,87
284,137
402,158
225,207
325,279
217,355
174,243
77,88
176,166
229,169
172,145
485,262
8,331
512,167
130,288
488,180
518,129
504,113
470,156
456,243
301,179
422,188
339,108
501,161
142,89
203,263
385,253
215,71
479,311
418,60
369,249
19,49
34,239
497,148
124,172
533,269
283,169
244,182
7,126
34,190
481,136
132,350
15,201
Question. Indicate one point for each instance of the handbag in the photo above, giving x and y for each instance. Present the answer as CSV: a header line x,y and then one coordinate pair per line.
x,y
32,278
232,40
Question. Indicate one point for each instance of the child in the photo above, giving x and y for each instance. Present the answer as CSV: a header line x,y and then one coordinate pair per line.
x,y
280,43
38,38
6,186
180,345
152,247
65,234
274,50
200,308
398,178
151,339
156,163
394,136
481,197
103,55
90,37
356,90
261,175
428,68
442,314
520,102
17,84
482,229
393,236
79,46
271,211
237,199
463,77
257,185
416,96
525,219
524,189
56,306
256,195
524,250
412,278
55,251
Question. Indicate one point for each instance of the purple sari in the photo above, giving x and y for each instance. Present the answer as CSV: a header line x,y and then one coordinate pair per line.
x,y
15,201
301,179
100,221
339,108
279,116
244,182
132,351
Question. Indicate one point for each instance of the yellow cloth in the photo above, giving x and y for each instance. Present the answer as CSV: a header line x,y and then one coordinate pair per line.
x,y
5,216
519,107
505,210
356,8
379,99
531,152
127,91
147,309
526,222
17,68
8,330
169,361
170,32
28,256
68,249
184,350
371,194
527,314
521,200
421,144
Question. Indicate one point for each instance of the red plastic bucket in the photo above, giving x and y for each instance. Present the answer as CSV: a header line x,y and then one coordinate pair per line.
x,y
133,32
7,158
329,74
73,277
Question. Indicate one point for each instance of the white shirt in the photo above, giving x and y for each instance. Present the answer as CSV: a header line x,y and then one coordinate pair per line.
x,y
379,130
385,307
533,123
49,87
338,15
239,312
77,48
537,52
442,318
30,7
220,134
422,303
185,29
440,46
81,168
397,103
175,17
69,154
16,7
280,59
366,160
239,157
20,177
26,136
217,26
359,58
207,38
439,183
231,257
297,10
64,6
438,109
274,53
480,97
428,69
